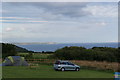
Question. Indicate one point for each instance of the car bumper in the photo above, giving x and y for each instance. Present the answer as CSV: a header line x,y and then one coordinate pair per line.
x,y
57,68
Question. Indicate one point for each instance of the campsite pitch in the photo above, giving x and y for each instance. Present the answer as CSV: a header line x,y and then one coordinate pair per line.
x,y
47,71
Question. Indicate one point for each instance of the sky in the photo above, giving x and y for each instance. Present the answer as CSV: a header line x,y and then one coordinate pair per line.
x,y
61,22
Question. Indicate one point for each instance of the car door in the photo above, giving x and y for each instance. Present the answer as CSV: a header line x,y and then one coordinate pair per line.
x,y
70,66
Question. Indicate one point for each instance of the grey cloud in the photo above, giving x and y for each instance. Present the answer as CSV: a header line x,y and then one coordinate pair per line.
x,y
47,4
50,11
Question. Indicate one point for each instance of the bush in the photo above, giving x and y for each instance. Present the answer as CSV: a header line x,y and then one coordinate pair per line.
x,y
81,53
8,50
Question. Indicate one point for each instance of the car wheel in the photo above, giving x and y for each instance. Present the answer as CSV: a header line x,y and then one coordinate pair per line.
x,y
77,69
62,69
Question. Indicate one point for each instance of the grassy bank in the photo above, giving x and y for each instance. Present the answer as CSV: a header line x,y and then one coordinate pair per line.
x,y
46,71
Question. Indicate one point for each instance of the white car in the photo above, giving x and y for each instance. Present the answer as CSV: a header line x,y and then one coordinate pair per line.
x,y
65,65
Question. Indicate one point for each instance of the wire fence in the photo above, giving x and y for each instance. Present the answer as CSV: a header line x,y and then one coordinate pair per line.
x,y
40,60
95,64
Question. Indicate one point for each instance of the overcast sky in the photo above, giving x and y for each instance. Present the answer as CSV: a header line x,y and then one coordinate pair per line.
x,y
62,22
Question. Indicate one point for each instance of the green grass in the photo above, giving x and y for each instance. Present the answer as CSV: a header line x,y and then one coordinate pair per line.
x,y
23,53
36,55
41,56
46,71
19,54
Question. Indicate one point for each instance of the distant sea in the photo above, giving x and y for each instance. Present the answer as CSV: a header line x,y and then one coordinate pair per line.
x,y
53,47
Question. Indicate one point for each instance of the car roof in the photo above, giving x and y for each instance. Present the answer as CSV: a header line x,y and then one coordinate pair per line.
x,y
62,60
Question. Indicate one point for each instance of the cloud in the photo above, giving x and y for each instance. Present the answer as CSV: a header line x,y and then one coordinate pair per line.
x,y
14,18
59,22
51,28
101,24
102,11
7,20
19,20
53,11
37,21
58,31
9,29
61,1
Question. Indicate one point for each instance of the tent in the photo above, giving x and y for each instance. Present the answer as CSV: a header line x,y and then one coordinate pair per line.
x,y
14,61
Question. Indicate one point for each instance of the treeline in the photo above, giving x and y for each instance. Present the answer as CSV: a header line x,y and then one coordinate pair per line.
x,y
45,52
8,50
69,53
11,50
95,53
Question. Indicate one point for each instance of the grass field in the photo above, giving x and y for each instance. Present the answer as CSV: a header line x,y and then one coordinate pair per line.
x,y
46,71
41,56
35,55
23,53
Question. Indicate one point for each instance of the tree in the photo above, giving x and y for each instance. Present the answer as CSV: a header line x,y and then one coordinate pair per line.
x,y
8,50
95,53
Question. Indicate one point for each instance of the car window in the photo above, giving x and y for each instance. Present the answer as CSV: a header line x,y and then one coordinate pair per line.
x,y
64,63
69,63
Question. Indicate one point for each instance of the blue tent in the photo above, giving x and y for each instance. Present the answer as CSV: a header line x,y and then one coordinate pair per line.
x,y
14,61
